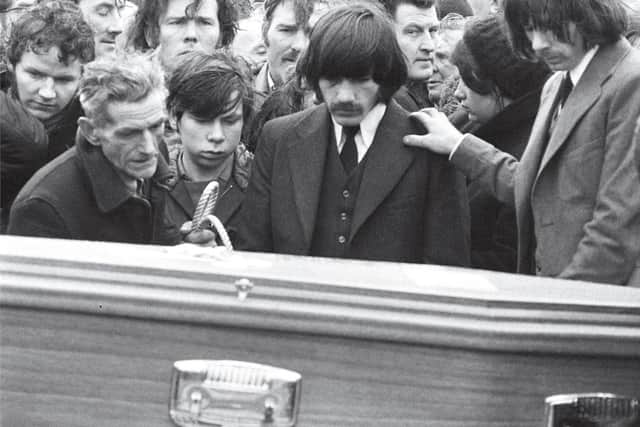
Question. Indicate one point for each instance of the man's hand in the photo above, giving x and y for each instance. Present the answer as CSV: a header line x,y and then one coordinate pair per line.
x,y
442,136
202,236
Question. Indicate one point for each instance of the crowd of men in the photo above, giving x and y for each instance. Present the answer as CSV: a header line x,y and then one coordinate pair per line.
x,y
496,135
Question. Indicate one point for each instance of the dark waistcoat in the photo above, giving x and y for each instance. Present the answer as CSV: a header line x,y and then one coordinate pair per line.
x,y
335,211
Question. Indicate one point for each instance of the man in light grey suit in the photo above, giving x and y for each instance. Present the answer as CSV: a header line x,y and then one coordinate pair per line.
x,y
576,189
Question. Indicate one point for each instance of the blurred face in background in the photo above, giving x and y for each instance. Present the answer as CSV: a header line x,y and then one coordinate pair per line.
x,y
451,31
183,28
248,42
482,8
10,11
285,40
416,32
106,20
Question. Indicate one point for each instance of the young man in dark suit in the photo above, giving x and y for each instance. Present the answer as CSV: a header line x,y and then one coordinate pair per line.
x,y
335,180
575,190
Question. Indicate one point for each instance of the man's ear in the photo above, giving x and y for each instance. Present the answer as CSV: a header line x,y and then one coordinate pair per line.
x,y
89,131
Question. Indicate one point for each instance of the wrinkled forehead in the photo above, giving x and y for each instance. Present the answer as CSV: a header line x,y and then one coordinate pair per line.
x,y
139,113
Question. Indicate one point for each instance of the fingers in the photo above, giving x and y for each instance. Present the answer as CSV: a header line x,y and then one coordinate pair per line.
x,y
421,141
185,228
423,116
202,237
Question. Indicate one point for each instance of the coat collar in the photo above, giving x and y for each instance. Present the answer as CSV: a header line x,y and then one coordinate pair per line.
x,y
232,196
386,162
107,186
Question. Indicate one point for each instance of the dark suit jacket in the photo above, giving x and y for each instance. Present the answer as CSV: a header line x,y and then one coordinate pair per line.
x,y
411,205
576,194
493,224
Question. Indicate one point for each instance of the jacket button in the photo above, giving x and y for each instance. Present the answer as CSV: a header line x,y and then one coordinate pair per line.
x,y
343,216
342,239
346,194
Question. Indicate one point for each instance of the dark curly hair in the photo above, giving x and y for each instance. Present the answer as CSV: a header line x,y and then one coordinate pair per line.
x,y
146,26
48,24
487,64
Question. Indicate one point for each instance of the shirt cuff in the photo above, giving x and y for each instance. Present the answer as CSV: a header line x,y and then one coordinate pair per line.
x,y
455,148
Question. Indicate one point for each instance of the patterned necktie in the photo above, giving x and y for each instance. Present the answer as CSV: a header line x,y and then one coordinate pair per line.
x,y
349,153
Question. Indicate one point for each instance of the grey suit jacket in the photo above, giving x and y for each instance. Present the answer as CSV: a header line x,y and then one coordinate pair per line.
x,y
576,194
411,205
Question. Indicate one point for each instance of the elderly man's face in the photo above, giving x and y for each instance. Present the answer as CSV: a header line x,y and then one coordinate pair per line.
x,y
106,21
44,84
183,28
442,66
416,31
285,39
130,137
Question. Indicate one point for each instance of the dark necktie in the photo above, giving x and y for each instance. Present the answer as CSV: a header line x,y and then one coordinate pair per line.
x,y
565,89
349,153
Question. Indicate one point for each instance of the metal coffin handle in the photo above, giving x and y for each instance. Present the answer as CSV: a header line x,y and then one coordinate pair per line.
x,y
591,410
229,393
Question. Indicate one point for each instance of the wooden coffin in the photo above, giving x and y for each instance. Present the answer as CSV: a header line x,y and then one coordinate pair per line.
x,y
90,331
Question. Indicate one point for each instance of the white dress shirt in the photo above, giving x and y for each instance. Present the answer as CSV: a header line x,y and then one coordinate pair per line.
x,y
368,128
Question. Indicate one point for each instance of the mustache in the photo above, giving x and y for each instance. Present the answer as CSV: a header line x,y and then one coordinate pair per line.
x,y
291,55
347,107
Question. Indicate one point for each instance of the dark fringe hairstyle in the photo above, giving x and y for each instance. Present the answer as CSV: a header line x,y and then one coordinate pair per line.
x,y
597,21
207,86
354,42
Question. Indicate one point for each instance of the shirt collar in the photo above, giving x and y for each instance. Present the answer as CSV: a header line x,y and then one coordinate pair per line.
x,y
579,69
368,125
270,82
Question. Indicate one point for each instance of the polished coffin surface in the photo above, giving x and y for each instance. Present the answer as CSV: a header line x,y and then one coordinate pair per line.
x,y
89,333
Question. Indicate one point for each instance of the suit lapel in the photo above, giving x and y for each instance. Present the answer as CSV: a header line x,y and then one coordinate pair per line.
x,y
584,95
229,203
532,156
307,156
181,195
386,162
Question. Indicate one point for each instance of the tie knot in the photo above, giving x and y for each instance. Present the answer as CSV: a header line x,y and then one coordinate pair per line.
x,y
566,88
350,131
